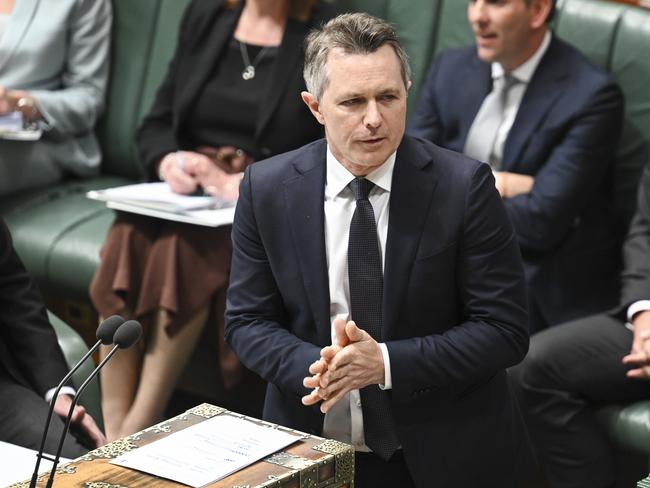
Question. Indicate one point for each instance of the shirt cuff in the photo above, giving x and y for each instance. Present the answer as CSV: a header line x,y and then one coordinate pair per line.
x,y
66,390
388,380
636,307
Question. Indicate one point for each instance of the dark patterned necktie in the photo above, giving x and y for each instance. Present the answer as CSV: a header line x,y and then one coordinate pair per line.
x,y
366,293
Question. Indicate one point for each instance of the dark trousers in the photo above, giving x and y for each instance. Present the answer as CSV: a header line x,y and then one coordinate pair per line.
x,y
571,369
370,471
22,419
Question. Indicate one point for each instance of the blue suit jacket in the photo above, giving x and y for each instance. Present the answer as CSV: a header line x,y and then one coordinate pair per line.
x,y
565,134
454,306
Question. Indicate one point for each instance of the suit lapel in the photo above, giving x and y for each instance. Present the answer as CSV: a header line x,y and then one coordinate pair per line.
x,y
411,195
542,92
206,48
289,58
22,16
304,196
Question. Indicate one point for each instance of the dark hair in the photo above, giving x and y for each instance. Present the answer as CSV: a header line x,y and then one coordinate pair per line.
x,y
355,33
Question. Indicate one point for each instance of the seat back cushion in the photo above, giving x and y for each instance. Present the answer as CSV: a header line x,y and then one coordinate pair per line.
x,y
630,64
144,36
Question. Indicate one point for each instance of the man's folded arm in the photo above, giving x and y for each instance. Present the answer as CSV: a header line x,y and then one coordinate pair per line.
x,y
572,174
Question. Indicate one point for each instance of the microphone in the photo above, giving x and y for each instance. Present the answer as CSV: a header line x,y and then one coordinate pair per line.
x,y
126,335
105,332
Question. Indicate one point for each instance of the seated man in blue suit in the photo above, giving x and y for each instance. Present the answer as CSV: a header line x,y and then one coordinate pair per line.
x,y
597,360
548,122
32,364
376,282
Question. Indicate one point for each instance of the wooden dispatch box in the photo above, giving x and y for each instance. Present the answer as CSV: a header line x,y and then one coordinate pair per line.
x,y
312,462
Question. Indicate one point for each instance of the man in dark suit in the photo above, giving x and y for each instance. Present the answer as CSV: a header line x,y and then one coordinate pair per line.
x,y
378,276
32,365
548,122
592,361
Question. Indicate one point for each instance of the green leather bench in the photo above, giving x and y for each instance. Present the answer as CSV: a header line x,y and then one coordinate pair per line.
x,y
58,232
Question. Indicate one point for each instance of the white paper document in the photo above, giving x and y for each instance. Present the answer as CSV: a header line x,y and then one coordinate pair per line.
x,y
18,463
157,200
207,451
158,196
212,217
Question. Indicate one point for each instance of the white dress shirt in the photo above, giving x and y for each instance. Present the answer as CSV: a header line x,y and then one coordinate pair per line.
x,y
636,307
344,421
523,74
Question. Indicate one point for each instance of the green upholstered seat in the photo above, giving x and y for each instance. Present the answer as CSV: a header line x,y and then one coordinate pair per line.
x,y
630,63
610,35
453,29
629,425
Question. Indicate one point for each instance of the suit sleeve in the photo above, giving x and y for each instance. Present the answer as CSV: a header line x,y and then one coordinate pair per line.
x,y
24,326
636,251
572,175
493,332
425,123
76,106
256,321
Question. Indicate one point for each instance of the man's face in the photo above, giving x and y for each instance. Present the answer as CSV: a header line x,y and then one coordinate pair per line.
x,y
507,31
363,107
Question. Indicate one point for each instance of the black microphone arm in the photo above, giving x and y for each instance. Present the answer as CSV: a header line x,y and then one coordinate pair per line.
x,y
126,335
104,334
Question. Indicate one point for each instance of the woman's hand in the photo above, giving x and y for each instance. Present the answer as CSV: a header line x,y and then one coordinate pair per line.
x,y
5,104
185,171
176,169
228,158
215,180
12,100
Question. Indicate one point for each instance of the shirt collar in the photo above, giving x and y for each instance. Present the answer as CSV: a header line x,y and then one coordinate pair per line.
x,y
338,177
525,72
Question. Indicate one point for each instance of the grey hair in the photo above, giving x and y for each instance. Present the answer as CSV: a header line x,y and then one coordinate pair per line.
x,y
355,33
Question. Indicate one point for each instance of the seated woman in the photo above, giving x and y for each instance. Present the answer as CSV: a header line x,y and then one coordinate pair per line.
x,y
54,71
231,96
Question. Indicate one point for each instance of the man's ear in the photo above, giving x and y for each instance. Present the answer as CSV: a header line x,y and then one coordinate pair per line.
x,y
313,105
541,11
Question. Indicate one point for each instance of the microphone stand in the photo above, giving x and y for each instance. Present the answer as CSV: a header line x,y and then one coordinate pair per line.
x,y
55,460
127,334
40,454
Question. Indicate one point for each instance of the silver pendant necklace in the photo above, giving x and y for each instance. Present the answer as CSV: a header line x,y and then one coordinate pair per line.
x,y
249,68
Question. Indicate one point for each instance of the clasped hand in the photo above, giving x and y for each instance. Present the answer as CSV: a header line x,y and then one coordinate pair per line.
x,y
355,361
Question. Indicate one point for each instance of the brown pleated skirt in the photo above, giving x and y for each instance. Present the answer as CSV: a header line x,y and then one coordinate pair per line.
x,y
150,264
